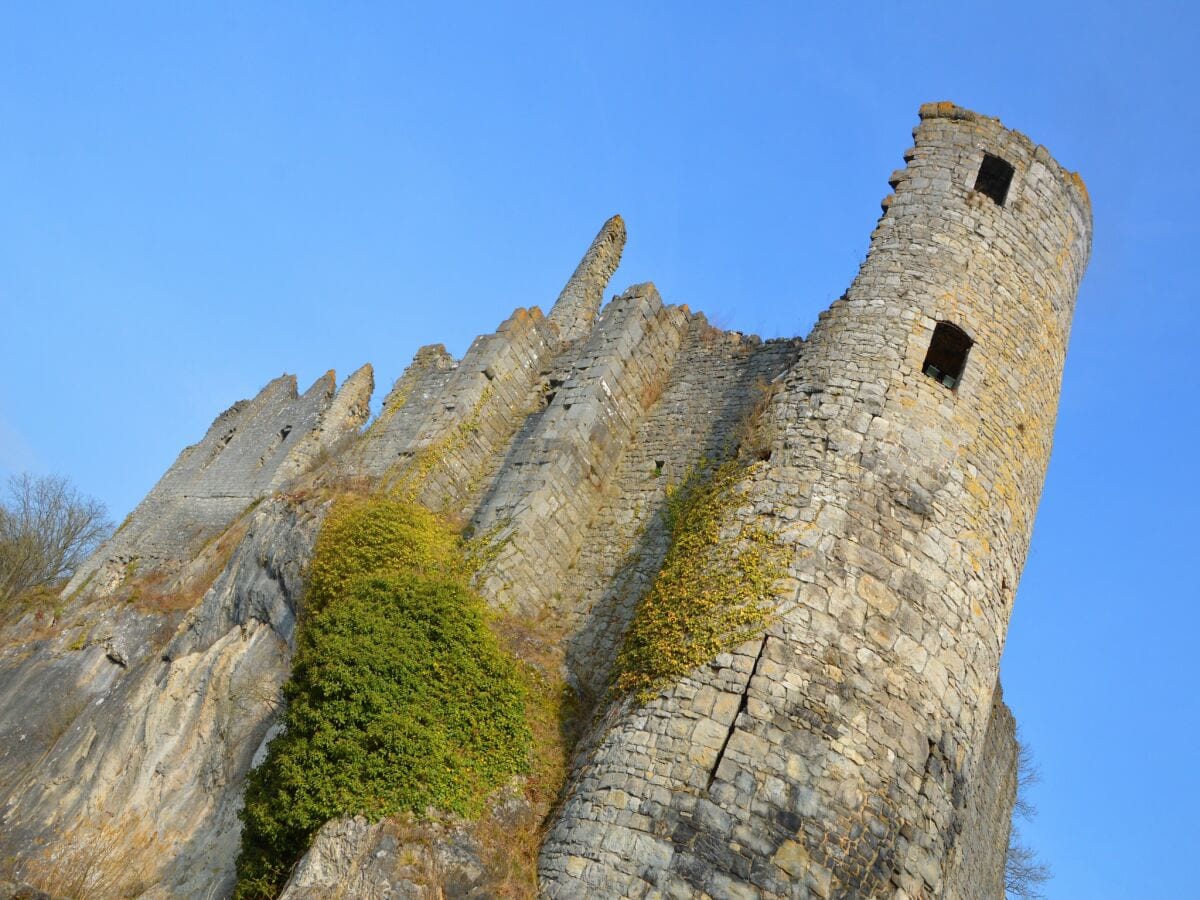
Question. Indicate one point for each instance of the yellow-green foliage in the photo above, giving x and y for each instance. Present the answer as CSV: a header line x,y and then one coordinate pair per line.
x,y
714,589
381,537
401,699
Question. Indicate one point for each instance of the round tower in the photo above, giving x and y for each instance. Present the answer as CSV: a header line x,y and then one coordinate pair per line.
x,y
914,438
909,448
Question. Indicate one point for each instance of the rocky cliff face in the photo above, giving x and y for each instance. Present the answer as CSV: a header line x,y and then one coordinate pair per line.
x,y
854,746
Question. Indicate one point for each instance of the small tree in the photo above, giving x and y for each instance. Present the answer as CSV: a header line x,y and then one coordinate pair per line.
x,y
1024,873
47,529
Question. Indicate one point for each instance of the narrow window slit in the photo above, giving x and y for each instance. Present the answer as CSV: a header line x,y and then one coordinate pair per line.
x,y
947,356
995,176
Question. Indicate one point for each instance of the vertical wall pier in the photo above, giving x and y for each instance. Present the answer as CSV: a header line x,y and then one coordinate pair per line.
x,y
407,406
549,488
444,421
575,310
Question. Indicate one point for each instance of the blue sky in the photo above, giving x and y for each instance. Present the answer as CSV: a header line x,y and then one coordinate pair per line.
x,y
194,200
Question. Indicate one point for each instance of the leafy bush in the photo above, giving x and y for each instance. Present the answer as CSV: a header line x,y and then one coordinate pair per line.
x,y
380,537
400,697
714,590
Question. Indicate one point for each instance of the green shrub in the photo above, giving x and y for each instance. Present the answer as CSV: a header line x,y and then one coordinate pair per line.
x,y
714,590
400,698
378,537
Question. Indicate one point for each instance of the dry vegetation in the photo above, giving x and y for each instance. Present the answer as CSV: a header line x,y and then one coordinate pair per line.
x,y
112,859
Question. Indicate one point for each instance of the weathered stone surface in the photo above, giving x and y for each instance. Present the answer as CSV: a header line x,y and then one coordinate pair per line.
x,y
374,861
158,748
976,867
575,309
716,380
251,450
548,491
11,890
399,858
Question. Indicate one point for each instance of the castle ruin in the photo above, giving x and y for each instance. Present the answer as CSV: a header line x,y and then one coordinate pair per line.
x,y
857,747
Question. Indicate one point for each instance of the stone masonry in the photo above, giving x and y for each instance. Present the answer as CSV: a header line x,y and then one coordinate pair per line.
x,y
577,305
976,869
857,747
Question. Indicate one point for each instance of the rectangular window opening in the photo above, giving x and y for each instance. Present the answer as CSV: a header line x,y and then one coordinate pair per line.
x,y
947,356
995,176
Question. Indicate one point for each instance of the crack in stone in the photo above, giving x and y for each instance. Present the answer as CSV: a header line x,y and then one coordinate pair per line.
x,y
712,776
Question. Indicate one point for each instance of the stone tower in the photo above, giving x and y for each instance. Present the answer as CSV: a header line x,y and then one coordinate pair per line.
x,y
839,755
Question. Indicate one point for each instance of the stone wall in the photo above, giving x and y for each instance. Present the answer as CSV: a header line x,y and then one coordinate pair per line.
x,y
409,403
550,485
137,726
250,450
715,384
581,297
477,413
976,866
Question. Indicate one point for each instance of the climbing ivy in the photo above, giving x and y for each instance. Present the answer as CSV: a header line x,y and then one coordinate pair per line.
x,y
714,590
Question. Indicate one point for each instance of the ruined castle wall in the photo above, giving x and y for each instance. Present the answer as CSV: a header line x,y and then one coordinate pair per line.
x,y
489,394
340,420
976,866
248,452
405,410
716,382
832,757
550,485
465,438
857,748
153,727
444,422
575,309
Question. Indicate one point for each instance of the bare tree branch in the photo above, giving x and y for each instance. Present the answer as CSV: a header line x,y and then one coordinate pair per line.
x,y
1024,873
47,529
1028,775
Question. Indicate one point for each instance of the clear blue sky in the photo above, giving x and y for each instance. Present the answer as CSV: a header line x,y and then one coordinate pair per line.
x,y
193,201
